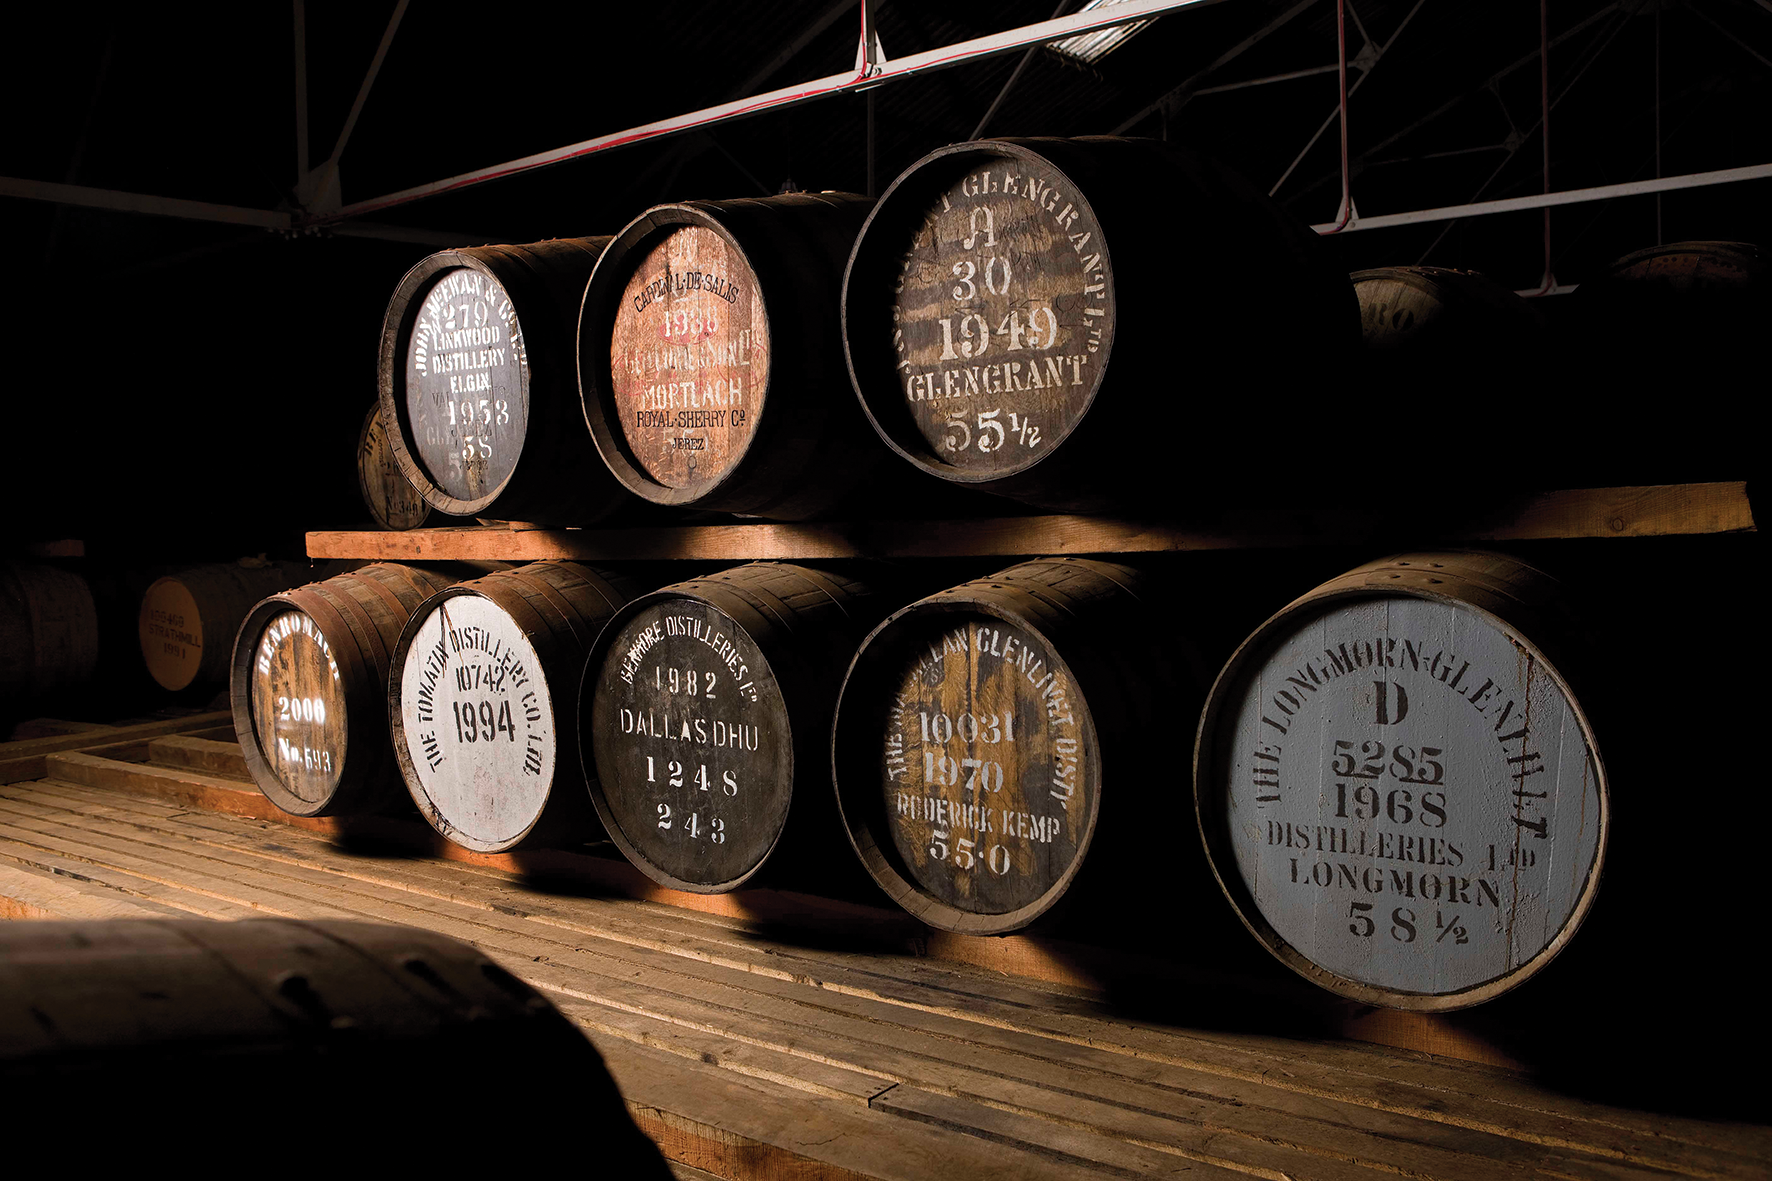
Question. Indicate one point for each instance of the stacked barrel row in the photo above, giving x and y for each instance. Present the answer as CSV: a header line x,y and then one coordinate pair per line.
x,y
1395,783
1034,319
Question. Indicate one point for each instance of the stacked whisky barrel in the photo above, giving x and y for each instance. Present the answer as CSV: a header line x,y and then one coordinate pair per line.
x,y
1395,784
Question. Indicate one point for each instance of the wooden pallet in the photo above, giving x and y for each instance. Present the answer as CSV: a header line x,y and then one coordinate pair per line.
x,y
1652,511
750,1049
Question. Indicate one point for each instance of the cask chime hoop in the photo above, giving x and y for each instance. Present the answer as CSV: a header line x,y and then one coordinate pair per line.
x,y
1433,578
862,705
873,275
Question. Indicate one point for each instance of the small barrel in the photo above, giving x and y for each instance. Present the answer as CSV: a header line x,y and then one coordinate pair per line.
x,y
487,681
331,1015
48,633
708,358
188,620
1039,318
1399,791
989,737
478,387
388,495
309,686
1454,320
705,712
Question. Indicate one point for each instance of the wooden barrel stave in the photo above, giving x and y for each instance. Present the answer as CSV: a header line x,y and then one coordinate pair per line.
x,y
1088,637
49,632
1508,642
309,687
531,461
471,787
752,756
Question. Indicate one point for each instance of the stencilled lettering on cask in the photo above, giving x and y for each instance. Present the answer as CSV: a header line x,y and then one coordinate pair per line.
x,y
171,634
1409,795
387,493
689,357
988,767
467,384
298,705
479,725
1002,316
691,745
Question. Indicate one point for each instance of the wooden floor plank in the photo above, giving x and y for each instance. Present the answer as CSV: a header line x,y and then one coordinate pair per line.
x,y
70,794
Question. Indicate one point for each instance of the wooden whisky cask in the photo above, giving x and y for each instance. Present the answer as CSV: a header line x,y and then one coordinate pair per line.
x,y
478,387
993,738
349,1016
49,632
388,495
1399,791
706,711
309,685
188,620
709,361
1040,318
1455,320
483,705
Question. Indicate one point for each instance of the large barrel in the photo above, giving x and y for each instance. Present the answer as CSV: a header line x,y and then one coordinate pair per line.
x,y
486,684
706,711
1040,318
708,356
309,685
991,736
48,633
1398,788
188,620
478,387
388,495
310,1017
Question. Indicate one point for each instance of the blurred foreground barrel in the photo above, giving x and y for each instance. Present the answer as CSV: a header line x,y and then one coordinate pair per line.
x,y
188,620
992,737
1399,791
706,711
48,633
388,495
309,685
486,682
1045,318
709,359
326,1016
478,389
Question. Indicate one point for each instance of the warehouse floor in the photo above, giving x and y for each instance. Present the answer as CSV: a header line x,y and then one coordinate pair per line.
x,y
751,1049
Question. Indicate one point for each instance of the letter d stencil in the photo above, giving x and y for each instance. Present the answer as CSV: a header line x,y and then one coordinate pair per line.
x,y
1383,689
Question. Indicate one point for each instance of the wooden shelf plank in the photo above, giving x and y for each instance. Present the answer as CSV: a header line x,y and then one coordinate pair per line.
x,y
1652,511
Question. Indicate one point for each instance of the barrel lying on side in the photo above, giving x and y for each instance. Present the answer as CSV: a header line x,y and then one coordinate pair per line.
x,y
188,620
709,360
309,686
990,736
705,713
48,633
478,389
486,683
388,495
1039,318
350,1016
1398,790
